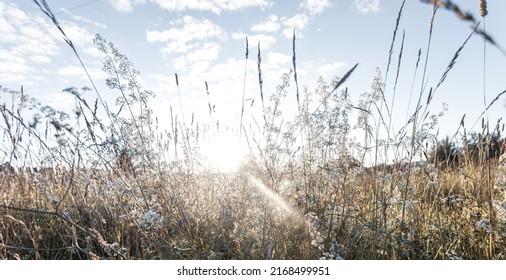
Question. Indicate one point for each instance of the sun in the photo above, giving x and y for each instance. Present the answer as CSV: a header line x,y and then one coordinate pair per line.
x,y
225,152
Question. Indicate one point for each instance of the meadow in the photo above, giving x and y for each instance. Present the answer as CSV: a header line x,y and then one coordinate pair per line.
x,y
104,182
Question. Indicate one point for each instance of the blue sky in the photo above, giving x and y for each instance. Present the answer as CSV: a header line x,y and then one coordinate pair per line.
x,y
205,41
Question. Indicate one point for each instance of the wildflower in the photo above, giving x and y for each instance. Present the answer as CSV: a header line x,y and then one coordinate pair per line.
x,y
117,249
452,199
317,240
453,256
410,204
147,219
311,217
353,209
500,205
402,186
457,200
484,224
433,228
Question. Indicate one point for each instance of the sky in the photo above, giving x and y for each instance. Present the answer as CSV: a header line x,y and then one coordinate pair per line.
x,y
204,41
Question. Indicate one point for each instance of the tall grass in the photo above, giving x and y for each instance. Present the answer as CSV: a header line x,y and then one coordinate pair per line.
x,y
104,182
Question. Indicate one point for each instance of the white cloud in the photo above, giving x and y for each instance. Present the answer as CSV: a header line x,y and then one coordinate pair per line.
x,y
208,52
74,71
192,39
271,25
92,51
125,5
175,5
188,29
30,41
71,71
82,38
315,7
218,71
367,6
5,26
79,36
26,39
83,19
215,6
276,60
265,40
198,59
13,63
239,35
330,70
18,16
227,81
242,4
40,59
60,100
297,23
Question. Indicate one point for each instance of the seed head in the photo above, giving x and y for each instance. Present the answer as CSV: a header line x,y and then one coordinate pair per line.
x,y
483,8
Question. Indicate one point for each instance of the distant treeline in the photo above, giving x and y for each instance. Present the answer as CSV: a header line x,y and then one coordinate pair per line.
x,y
476,148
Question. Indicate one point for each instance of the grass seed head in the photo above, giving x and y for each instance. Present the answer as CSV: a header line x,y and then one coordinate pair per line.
x,y
483,8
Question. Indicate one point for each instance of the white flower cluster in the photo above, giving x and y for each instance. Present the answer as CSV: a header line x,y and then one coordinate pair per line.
x,y
333,252
312,224
452,199
484,224
146,219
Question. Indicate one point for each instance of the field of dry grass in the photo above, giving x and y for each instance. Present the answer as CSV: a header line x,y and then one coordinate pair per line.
x,y
104,183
